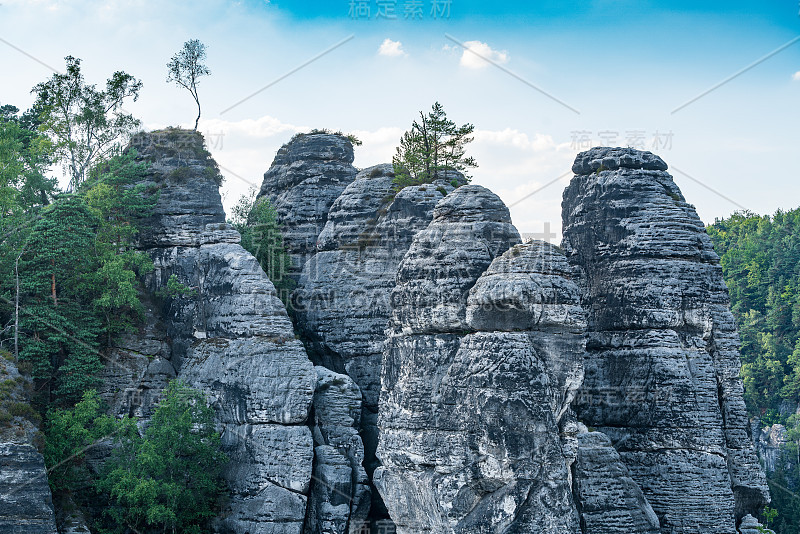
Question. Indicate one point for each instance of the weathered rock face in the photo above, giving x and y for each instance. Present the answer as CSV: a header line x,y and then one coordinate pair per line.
x,y
342,301
750,525
138,367
187,182
306,176
26,506
769,442
482,361
662,363
230,336
608,500
340,494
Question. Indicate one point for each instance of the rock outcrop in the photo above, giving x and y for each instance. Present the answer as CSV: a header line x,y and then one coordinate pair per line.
x,y
769,442
662,362
306,176
445,356
138,367
750,525
340,494
229,336
342,301
472,400
607,498
26,505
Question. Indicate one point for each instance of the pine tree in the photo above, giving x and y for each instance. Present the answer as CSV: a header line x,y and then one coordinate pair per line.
x,y
433,145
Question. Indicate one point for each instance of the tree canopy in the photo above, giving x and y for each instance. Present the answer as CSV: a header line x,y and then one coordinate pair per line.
x,y
85,123
169,479
433,145
760,258
186,68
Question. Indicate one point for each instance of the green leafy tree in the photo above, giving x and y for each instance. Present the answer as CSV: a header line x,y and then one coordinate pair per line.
x,y
168,480
262,236
86,124
25,156
115,193
75,278
433,145
69,434
59,332
186,67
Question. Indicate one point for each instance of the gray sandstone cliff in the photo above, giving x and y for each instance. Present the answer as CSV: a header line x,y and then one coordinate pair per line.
x,y
306,176
26,505
607,498
662,362
342,302
456,352
228,335
468,436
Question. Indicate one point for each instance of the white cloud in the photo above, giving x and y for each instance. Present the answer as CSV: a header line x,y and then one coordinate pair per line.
x,y
796,76
477,53
391,48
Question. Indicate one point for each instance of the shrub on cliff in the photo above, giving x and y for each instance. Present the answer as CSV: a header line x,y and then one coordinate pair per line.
x,y
168,480
262,236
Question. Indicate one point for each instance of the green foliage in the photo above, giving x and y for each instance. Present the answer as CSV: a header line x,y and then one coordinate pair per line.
x,y
432,146
86,124
77,277
169,479
175,289
58,331
257,222
25,155
186,66
119,201
69,433
760,259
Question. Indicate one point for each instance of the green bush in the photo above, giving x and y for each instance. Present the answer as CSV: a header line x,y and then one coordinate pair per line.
x,y
262,236
168,480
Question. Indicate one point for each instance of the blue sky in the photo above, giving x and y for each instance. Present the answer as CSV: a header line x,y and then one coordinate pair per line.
x,y
624,65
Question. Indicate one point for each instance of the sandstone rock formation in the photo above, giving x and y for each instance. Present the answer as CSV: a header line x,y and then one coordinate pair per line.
x,y
472,400
306,176
750,525
608,500
138,367
26,506
455,353
230,336
769,442
662,363
342,302
340,494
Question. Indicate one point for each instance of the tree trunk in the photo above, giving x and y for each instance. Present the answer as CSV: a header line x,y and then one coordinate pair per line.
x,y
16,310
197,120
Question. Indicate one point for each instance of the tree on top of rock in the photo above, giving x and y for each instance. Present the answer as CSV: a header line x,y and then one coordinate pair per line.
x,y
186,67
432,146
86,124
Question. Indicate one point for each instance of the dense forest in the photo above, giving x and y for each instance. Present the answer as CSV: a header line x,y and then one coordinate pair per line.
x,y
760,258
